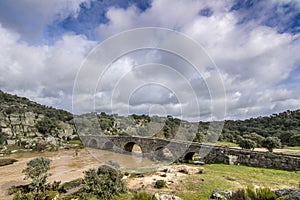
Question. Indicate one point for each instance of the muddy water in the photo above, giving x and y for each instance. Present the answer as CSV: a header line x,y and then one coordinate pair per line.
x,y
65,166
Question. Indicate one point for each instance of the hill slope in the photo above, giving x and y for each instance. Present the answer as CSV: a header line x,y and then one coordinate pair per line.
x,y
28,125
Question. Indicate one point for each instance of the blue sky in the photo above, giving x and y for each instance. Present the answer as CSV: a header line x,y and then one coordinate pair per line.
x,y
254,44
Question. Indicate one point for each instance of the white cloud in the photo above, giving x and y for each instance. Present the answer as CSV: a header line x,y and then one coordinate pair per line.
x,y
43,73
29,17
254,60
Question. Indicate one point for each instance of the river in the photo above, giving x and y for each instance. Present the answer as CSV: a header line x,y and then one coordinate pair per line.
x,y
65,166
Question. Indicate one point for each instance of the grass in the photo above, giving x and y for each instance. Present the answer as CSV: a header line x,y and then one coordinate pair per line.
x,y
293,148
291,153
229,177
227,144
232,177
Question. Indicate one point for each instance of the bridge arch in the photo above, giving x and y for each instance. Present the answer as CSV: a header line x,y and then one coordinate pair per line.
x,y
93,143
191,156
163,153
108,146
133,147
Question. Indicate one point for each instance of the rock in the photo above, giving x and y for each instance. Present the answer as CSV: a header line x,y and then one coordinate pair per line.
x,y
7,131
184,170
166,197
65,131
11,142
29,119
220,195
289,194
51,140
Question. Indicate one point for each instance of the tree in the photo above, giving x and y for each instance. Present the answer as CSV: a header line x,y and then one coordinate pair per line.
x,y
247,144
255,137
106,182
271,143
295,140
37,170
46,125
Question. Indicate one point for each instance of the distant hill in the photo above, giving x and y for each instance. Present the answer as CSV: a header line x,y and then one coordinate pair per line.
x,y
25,124
28,125
285,126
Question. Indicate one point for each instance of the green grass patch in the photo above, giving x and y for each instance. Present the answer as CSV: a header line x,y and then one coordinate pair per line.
x,y
292,148
291,153
75,142
232,177
227,144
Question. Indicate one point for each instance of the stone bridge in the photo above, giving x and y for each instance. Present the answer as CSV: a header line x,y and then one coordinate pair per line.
x,y
184,151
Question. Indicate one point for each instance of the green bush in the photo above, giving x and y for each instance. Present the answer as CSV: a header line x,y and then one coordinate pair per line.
x,y
160,184
265,194
46,125
260,194
247,144
106,183
251,193
143,196
20,196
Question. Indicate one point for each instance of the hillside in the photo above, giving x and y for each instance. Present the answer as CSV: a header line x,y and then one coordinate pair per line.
x,y
25,124
285,126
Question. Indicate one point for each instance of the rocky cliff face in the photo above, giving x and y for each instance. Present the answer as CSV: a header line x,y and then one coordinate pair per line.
x,y
29,126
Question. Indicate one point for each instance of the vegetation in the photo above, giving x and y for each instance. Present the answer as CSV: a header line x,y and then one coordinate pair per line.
x,y
160,184
247,144
284,126
142,196
46,125
250,193
271,143
232,177
37,170
105,183
14,104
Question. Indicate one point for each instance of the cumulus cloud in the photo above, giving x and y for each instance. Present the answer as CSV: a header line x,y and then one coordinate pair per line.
x,y
255,57
42,73
29,17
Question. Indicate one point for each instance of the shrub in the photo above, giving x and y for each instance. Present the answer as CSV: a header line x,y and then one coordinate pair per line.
x,y
271,143
250,193
106,182
260,194
142,196
239,195
160,184
247,144
37,170
20,196
265,194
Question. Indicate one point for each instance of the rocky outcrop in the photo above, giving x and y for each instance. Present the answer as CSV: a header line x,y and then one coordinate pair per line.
x,y
21,129
26,125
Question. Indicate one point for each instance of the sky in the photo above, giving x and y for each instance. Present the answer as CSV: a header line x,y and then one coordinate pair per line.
x,y
253,44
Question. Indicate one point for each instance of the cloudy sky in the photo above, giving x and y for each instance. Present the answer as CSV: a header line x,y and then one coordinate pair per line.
x,y
254,45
